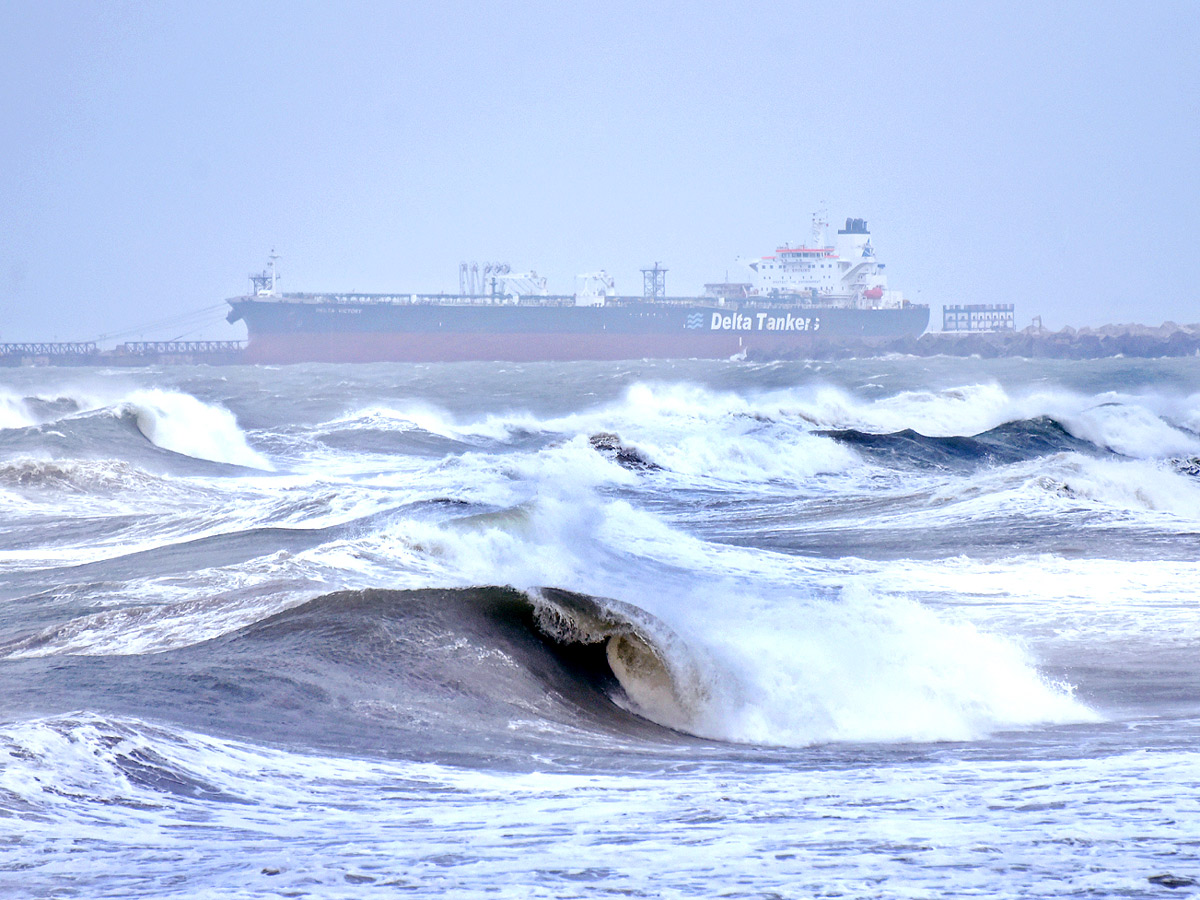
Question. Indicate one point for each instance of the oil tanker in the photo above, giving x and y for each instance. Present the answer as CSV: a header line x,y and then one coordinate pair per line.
x,y
800,296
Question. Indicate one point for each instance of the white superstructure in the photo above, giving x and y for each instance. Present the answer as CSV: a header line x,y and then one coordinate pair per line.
x,y
844,274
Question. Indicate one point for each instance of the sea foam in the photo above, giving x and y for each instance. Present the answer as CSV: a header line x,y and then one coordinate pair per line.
x,y
870,666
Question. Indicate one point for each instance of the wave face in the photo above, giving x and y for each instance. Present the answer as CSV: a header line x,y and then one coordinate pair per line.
x,y
389,607
411,667
388,671
1008,443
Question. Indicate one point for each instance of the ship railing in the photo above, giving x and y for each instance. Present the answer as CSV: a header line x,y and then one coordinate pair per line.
x,y
488,300
556,300
431,299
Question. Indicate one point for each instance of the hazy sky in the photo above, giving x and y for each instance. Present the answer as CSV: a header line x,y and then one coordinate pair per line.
x,y
152,154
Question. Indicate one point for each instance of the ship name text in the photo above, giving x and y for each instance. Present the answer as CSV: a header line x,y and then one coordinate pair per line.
x,y
763,322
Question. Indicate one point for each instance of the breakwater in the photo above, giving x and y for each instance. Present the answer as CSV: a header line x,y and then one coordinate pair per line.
x,y
1106,342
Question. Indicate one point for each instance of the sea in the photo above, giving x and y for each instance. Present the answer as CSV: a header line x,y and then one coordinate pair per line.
x,y
878,628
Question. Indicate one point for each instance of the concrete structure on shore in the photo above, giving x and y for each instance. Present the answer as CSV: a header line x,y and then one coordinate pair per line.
x,y
1132,340
978,317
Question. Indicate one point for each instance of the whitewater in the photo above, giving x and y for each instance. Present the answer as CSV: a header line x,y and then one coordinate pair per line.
x,y
882,628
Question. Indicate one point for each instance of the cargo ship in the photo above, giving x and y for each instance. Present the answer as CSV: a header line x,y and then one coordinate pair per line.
x,y
818,293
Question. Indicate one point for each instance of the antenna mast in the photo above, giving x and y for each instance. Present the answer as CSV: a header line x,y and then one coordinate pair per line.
x,y
820,222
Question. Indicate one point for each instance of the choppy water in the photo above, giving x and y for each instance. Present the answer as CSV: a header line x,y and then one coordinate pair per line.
x,y
883,628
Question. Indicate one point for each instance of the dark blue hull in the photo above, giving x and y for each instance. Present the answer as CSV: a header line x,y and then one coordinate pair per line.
x,y
331,329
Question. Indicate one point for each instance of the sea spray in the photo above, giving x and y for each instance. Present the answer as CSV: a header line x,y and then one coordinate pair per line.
x,y
870,666
14,412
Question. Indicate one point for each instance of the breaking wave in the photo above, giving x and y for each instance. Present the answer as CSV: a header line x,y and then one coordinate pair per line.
x,y
861,668
1144,425
68,426
182,424
805,430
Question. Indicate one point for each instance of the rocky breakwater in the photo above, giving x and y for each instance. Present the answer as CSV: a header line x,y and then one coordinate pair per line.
x,y
1143,341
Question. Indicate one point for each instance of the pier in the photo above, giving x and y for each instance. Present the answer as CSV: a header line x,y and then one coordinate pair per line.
x,y
43,353
131,353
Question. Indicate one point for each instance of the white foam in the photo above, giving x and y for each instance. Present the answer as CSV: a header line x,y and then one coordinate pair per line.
x,y
414,415
418,415
76,477
690,430
1131,430
965,410
1111,492
267,821
869,667
1135,485
699,433
1050,599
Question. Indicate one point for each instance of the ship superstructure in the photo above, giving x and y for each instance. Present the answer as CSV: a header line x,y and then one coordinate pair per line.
x,y
844,274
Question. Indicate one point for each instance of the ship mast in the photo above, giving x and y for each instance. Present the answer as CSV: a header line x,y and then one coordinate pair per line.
x,y
264,285
820,221
654,281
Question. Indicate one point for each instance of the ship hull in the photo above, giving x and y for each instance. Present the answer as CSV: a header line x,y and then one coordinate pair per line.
x,y
334,330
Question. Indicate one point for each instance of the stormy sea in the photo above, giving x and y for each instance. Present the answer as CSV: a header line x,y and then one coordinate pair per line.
x,y
882,628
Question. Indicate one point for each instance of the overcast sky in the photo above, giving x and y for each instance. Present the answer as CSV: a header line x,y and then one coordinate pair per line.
x,y
152,154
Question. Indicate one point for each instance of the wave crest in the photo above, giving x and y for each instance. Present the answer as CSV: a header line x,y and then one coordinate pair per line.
x,y
867,668
83,477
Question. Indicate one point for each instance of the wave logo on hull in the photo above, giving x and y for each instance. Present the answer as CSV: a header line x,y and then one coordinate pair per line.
x,y
695,320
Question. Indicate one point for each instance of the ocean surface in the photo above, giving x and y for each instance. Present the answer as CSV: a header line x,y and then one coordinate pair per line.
x,y
890,628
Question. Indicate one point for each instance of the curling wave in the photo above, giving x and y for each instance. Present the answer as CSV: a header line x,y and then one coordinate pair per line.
x,y
475,669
